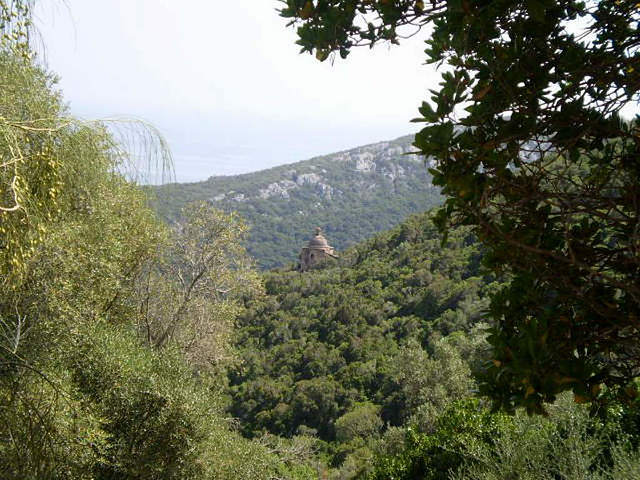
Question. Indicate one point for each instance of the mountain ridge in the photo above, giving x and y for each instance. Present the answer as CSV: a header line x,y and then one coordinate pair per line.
x,y
351,194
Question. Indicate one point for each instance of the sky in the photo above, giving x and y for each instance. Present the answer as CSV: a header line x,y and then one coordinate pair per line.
x,y
225,83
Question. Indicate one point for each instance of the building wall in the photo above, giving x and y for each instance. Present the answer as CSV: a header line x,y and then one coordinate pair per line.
x,y
310,257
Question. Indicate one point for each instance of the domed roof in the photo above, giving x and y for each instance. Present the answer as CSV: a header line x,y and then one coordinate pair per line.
x,y
318,241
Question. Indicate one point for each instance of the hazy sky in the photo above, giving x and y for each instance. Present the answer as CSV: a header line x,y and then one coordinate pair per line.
x,y
224,82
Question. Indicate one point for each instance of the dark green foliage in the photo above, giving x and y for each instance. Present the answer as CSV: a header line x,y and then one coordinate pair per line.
x,y
359,345
543,169
351,195
531,150
471,443
462,428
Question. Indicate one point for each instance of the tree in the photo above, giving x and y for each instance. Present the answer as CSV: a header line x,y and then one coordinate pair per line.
x,y
189,295
361,422
427,385
532,151
80,397
73,234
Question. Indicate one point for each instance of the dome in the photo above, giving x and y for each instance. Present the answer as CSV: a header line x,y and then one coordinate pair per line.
x,y
318,240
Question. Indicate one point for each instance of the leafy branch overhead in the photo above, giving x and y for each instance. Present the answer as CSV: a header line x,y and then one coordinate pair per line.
x,y
533,151
338,25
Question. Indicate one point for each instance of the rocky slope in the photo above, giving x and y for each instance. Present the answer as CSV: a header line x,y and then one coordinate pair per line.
x,y
350,195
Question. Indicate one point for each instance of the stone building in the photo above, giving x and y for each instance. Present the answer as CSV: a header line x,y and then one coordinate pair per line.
x,y
317,250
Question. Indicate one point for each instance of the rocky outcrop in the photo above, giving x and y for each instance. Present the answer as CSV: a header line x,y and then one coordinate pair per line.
x,y
373,164
352,194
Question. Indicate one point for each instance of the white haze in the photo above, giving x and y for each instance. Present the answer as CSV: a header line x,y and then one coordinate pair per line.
x,y
224,82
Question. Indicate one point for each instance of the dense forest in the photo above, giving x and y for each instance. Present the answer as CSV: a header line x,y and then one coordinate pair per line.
x,y
365,365
493,338
351,194
533,132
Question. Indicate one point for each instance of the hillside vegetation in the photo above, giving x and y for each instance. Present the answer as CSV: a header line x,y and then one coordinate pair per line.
x,y
351,195
130,349
534,132
113,331
362,368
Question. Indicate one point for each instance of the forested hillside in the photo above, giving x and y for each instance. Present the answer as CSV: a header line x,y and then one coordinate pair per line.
x,y
363,368
135,349
329,342
351,195
534,129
